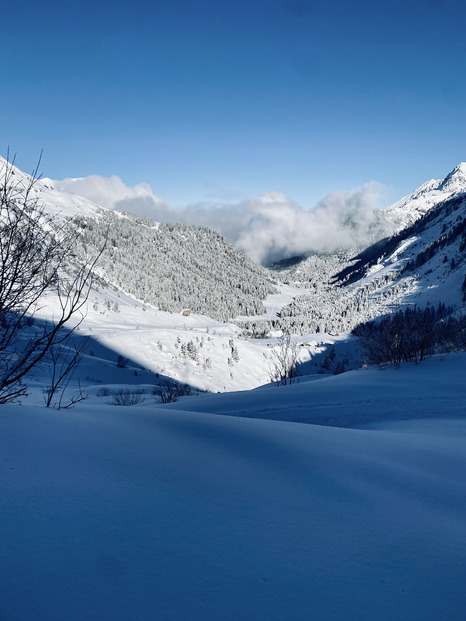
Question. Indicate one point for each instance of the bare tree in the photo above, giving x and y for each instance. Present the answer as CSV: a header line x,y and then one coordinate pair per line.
x,y
410,335
36,259
283,361
63,362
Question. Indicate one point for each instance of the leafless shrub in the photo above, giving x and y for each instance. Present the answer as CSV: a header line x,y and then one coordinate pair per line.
x,y
283,361
411,336
126,397
169,390
103,392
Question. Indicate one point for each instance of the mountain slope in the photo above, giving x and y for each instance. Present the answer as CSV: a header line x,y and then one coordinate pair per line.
x,y
412,207
430,253
60,205
172,267
175,267
424,263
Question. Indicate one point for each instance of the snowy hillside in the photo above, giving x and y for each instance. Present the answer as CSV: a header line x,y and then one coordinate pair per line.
x,y
205,353
172,267
175,267
428,258
424,263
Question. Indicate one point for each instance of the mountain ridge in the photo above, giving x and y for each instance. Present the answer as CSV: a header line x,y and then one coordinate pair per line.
x,y
222,283
414,205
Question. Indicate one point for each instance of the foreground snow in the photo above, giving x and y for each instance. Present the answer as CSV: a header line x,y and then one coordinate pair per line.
x,y
434,388
150,513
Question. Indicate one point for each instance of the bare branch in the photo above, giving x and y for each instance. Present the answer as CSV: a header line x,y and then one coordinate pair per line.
x,y
37,259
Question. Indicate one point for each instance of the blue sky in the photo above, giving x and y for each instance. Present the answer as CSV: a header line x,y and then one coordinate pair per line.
x,y
221,101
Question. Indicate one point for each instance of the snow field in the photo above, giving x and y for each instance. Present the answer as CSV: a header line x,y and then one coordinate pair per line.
x,y
138,513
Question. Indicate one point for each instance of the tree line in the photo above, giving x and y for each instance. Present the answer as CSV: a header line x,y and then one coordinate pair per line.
x,y
411,335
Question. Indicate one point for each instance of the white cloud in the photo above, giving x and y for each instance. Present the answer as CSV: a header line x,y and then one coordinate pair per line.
x,y
267,229
278,227
110,191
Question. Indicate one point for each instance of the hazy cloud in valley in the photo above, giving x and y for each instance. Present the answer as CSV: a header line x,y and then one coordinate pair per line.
x,y
267,229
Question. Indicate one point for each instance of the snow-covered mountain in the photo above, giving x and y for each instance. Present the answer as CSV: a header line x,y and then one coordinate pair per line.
x,y
429,255
342,290
423,263
61,205
412,207
151,272
171,267
396,217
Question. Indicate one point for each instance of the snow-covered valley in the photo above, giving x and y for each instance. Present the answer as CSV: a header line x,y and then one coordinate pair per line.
x,y
339,496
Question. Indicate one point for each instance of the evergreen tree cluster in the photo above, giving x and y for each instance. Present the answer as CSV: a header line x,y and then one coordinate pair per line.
x,y
315,269
326,308
176,267
446,239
